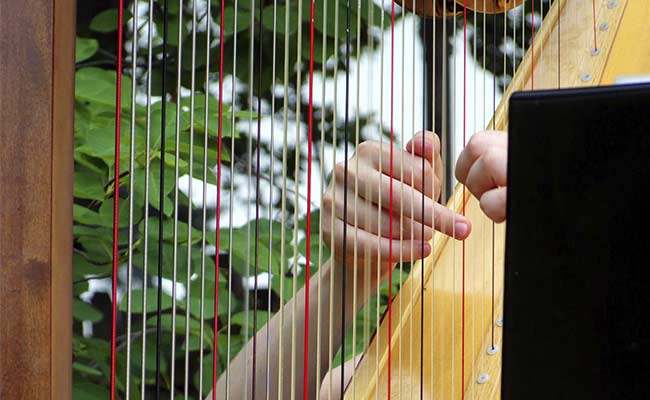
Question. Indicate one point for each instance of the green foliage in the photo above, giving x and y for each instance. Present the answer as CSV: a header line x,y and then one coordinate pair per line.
x,y
141,150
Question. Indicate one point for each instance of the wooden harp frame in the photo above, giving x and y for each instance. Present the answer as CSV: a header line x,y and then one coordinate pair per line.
x,y
37,92
623,51
36,172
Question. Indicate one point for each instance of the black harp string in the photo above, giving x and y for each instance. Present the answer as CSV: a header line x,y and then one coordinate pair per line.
x,y
345,192
161,199
257,190
494,110
559,43
424,121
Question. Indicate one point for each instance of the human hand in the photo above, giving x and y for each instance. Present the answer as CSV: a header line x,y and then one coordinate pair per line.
x,y
482,168
409,183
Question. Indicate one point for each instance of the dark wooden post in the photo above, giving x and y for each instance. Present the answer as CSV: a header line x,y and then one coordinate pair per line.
x,y
37,42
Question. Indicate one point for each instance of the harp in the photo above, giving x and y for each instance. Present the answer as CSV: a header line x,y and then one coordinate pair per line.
x,y
440,333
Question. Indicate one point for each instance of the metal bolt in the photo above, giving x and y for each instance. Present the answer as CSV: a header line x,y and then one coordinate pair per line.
x,y
499,322
483,378
604,26
492,350
595,52
586,77
612,4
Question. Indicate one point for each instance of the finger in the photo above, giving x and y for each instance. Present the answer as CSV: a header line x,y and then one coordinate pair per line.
x,y
425,144
405,167
493,204
370,218
476,147
378,248
411,202
450,223
488,172
430,148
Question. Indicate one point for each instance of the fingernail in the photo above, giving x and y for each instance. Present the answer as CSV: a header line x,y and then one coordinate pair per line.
x,y
426,249
461,229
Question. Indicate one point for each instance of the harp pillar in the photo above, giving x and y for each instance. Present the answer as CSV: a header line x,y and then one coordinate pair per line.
x,y
37,45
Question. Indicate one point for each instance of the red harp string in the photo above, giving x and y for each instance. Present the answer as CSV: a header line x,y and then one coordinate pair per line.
x,y
390,201
215,354
308,222
116,192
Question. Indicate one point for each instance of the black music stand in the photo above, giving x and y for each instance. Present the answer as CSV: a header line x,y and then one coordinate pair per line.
x,y
577,269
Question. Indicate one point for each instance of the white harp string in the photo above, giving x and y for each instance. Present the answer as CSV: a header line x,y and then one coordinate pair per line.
x,y
129,278
188,278
146,199
231,205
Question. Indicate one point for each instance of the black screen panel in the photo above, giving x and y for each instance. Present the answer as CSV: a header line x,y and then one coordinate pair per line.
x,y
577,270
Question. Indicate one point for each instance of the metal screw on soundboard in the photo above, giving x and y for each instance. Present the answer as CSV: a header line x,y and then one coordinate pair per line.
x,y
604,26
492,350
612,4
500,322
483,378
586,77
595,52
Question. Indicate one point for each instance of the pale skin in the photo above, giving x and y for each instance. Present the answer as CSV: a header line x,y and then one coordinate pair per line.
x,y
478,167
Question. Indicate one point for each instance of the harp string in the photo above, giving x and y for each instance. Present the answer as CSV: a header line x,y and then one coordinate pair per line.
x,y
320,215
412,197
215,344
474,129
206,120
296,212
445,154
129,279
401,207
176,176
345,192
310,119
424,127
390,201
258,151
433,186
270,243
188,278
379,207
368,267
283,266
356,196
462,324
593,7
231,200
333,276
116,196
161,199
454,207
147,171
249,173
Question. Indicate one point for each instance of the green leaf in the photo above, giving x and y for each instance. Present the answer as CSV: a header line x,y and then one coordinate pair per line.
x,y
89,391
83,311
86,369
267,19
152,301
85,48
83,267
106,21
88,185
243,20
85,215
244,318
97,85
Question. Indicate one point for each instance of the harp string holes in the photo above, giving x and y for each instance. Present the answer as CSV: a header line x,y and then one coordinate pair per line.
x,y
483,378
492,350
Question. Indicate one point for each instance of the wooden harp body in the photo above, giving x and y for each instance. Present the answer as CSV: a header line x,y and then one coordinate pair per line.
x,y
563,56
445,334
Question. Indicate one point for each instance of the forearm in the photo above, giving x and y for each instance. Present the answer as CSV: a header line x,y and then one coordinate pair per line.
x,y
287,327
